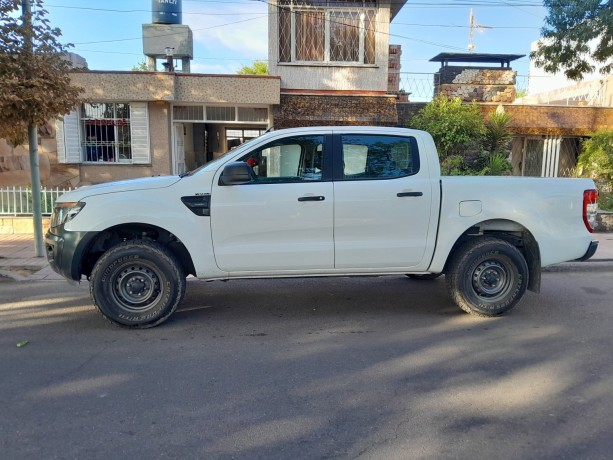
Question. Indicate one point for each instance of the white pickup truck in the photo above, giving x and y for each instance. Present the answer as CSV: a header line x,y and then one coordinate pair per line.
x,y
325,201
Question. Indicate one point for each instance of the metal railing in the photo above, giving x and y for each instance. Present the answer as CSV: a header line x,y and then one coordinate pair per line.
x,y
420,85
16,201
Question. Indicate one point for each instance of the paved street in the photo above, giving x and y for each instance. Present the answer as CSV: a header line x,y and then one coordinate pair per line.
x,y
320,368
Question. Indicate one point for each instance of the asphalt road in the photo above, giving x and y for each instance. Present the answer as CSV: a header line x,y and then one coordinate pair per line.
x,y
372,368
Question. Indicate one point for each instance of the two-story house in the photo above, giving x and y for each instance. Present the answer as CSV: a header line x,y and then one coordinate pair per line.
x,y
332,57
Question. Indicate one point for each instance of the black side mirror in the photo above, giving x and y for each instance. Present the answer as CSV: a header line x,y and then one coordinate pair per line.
x,y
236,173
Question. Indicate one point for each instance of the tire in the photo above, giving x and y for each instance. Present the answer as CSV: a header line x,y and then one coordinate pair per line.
x,y
137,284
487,276
426,276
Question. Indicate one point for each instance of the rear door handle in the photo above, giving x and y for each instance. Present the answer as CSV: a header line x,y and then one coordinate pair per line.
x,y
311,198
409,194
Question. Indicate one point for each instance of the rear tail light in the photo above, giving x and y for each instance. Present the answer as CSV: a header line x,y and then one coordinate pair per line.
x,y
590,207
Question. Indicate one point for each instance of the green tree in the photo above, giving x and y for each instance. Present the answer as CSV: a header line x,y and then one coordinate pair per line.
x,y
596,161
257,68
142,66
36,86
575,33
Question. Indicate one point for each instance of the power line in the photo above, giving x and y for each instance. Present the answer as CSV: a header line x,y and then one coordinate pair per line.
x,y
163,35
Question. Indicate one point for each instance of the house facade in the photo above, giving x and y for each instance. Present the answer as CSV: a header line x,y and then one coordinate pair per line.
x,y
138,124
332,58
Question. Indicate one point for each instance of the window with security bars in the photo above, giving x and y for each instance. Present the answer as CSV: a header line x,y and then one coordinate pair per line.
x,y
106,132
327,31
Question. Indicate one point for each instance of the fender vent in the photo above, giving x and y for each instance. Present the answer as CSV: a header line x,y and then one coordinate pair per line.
x,y
199,204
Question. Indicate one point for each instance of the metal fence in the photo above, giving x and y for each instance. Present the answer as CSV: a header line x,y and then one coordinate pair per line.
x,y
420,86
17,201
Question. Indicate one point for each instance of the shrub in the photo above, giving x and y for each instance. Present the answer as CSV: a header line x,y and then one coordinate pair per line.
x,y
467,145
596,161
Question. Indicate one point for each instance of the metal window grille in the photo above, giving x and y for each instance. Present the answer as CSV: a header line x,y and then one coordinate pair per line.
x,y
188,113
327,31
106,132
254,114
221,113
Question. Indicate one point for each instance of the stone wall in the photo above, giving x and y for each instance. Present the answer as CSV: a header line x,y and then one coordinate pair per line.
x,y
20,225
407,110
482,84
298,110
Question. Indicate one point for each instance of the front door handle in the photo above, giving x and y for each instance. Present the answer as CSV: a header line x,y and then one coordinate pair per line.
x,y
311,198
409,194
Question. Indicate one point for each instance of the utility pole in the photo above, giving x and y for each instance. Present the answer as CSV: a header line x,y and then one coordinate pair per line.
x,y
26,15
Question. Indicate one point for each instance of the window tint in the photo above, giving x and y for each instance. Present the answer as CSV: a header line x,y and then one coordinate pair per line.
x,y
367,157
294,159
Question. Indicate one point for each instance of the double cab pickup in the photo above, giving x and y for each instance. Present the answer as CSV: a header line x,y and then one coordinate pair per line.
x,y
319,201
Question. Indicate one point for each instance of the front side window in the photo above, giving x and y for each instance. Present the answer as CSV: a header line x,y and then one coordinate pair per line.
x,y
368,157
294,159
105,131
327,31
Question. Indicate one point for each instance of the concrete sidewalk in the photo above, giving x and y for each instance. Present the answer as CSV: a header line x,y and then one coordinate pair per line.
x,y
17,259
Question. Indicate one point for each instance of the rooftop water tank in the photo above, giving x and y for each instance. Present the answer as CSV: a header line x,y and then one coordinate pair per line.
x,y
166,11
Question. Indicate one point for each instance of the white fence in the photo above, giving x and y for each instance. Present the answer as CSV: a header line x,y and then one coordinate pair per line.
x,y
17,201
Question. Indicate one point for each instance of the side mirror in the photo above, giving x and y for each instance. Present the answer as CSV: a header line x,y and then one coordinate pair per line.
x,y
236,173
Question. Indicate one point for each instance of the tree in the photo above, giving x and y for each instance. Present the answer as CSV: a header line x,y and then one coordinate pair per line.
x,y
596,161
142,66
36,86
577,34
257,68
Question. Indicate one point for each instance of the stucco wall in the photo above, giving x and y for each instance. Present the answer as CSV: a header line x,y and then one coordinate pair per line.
x,y
160,86
126,86
239,89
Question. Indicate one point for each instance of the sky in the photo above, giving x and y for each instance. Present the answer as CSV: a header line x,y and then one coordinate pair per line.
x,y
232,33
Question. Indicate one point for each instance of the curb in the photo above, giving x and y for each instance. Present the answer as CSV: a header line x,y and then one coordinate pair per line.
x,y
597,265
12,275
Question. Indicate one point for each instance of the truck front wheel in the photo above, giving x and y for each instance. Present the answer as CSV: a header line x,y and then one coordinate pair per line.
x,y
487,276
137,283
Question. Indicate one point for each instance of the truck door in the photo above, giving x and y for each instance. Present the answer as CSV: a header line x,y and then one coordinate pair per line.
x,y
383,202
282,220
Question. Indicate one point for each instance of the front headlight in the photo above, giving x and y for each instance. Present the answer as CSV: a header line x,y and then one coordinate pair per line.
x,y
65,211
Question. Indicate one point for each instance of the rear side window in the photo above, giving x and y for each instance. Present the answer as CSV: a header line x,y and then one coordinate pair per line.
x,y
368,157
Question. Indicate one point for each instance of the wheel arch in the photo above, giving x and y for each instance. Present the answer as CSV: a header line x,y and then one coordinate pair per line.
x,y
513,233
114,235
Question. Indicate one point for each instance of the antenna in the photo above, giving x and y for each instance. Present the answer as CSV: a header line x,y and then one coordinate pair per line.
x,y
471,34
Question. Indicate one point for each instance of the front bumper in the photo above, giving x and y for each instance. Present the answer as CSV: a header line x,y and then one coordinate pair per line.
x,y
590,251
65,251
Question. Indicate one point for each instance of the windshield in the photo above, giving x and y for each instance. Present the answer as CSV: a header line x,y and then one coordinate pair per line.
x,y
213,163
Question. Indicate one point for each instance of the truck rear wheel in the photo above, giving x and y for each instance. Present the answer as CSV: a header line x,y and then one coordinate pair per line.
x,y
487,276
137,284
